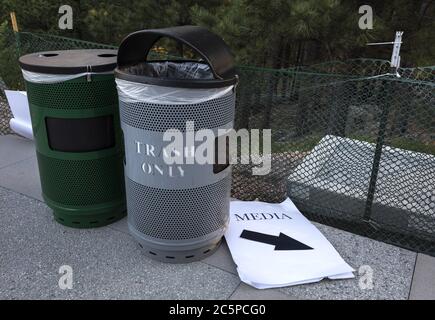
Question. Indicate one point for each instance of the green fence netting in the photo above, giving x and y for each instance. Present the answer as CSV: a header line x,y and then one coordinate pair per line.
x,y
352,144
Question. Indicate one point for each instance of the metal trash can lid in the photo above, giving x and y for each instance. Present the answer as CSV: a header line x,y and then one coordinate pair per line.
x,y
210,47
70,61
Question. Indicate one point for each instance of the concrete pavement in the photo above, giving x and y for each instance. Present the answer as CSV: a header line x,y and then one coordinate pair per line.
x,y
107,263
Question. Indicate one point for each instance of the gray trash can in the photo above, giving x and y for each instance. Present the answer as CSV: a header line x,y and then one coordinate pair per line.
x,y
177,212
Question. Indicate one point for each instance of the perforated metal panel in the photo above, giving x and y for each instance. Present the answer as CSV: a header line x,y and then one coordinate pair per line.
x,y
81,182
74,94
161,117
178,214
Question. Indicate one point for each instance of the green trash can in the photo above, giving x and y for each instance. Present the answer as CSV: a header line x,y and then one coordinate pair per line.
x,y
75,118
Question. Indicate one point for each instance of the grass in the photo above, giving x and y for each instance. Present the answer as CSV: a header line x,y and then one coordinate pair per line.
x,y
303,144
412,145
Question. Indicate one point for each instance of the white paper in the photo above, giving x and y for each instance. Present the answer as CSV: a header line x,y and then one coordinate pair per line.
x,y
21,122
260,265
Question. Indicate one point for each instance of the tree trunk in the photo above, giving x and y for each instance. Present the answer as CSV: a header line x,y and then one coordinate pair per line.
x,y
423,8
272,86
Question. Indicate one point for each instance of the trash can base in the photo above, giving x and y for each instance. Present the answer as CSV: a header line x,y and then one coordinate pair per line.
x,y
88,217
89,220
184,256
178,251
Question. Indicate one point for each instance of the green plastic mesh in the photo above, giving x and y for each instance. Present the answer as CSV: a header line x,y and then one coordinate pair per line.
x,y
5,111
353,146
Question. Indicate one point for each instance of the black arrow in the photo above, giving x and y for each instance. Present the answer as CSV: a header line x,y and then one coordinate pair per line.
x,y
281,242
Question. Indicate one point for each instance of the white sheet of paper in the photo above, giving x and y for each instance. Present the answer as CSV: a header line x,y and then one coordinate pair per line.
x,y
21,123
260,265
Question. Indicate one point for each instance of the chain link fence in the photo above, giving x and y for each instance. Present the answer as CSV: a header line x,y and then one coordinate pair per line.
x,y
5,111
353,145
5,54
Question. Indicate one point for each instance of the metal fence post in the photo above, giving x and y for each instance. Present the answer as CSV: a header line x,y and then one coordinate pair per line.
x,y
383,121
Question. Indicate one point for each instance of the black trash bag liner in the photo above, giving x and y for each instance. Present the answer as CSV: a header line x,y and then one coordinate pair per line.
x,y
172,70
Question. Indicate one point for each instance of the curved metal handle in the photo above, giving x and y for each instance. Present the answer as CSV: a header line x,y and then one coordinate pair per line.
x,y
136,46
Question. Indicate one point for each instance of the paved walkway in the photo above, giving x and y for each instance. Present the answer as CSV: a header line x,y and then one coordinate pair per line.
x,y
107,263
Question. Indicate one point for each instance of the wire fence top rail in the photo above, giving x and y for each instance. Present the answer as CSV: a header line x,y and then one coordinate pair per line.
x,y
320,69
